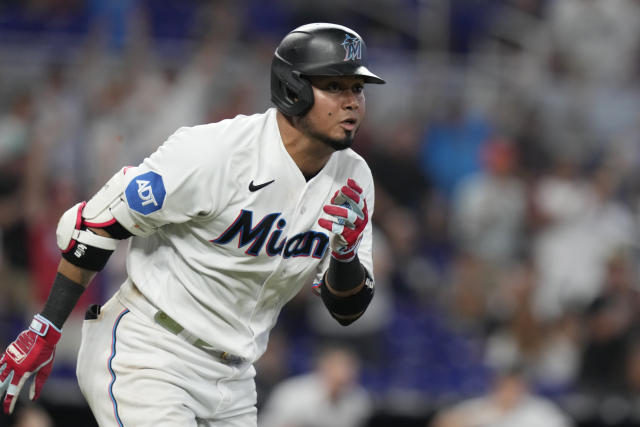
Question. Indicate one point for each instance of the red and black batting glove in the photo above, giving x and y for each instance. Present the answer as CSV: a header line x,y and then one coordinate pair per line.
x,y
350,216
31,353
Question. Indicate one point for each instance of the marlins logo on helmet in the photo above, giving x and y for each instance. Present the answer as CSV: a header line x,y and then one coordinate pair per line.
x,y
353,47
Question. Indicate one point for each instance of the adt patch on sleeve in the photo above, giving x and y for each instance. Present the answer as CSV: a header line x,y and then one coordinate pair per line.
x,y
145,193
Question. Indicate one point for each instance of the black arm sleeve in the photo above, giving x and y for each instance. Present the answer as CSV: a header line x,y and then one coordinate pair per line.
x,y
344,276
63,297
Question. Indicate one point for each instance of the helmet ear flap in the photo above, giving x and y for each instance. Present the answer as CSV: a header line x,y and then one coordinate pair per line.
x,y
290,92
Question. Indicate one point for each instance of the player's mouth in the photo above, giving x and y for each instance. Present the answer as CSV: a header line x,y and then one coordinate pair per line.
x,y
349,124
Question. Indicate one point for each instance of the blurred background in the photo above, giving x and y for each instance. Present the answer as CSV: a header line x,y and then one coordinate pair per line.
x,y
506,153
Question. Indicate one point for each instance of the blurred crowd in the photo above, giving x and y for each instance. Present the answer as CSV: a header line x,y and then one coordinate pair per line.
x,y
506,154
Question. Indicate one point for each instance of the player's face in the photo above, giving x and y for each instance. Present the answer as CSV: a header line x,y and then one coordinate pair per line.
x,y
337,112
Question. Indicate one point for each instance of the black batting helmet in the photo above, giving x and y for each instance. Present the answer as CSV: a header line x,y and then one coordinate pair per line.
x,y
315,50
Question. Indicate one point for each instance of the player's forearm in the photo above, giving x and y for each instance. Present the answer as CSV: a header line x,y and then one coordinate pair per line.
x,y
345,278
67,288
78,275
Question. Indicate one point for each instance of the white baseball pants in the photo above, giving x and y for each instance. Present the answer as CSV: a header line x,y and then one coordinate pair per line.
x,y
134,373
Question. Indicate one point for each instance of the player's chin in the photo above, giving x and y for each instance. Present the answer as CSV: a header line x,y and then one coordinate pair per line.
x,y
341,143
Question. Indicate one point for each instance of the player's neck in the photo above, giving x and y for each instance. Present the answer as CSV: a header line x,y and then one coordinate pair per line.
x,y
310,156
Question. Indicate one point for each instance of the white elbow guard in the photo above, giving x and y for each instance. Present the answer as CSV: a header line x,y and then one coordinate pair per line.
x,y
107,208
79,246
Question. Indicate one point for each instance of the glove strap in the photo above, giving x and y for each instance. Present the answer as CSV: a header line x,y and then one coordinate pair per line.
x,y
346,257
345,253
42,326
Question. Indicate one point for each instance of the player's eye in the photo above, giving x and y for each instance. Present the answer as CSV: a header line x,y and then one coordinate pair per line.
x,y
357,88
334,87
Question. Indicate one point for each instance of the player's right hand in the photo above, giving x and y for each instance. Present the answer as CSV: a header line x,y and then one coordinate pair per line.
x,y
349,216
31,353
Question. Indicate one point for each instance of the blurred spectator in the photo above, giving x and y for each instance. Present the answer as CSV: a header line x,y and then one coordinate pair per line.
x,y
436,245
452,143
468,285
419,259
59,130
109,134
396,169
607,389
598,40
508,404
489,207
603,362
14,126
15,145
328,396
632,371
15,300
582,224
548,351
611,330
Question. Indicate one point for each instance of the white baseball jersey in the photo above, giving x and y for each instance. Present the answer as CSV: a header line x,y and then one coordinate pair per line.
x,y
234,232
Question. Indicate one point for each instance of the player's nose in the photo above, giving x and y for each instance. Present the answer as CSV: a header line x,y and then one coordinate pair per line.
x,y
351,101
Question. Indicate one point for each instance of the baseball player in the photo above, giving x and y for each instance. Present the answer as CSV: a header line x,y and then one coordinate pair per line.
x,y
227,222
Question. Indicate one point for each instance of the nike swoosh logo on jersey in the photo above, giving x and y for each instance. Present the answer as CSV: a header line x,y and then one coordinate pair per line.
x,y
253,188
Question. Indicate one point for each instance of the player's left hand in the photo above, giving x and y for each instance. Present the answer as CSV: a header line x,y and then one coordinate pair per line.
x,y
350,216
31,353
